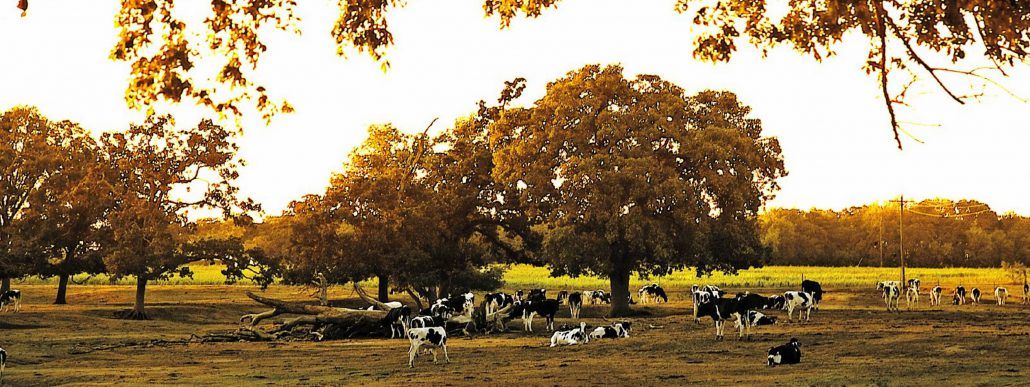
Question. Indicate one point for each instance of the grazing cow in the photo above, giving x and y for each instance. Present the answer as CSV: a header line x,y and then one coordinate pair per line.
x,y
777,302
935,295
892,296
600,297
10,299
575,304
497,301
815,289
571,336
756,318
802,301
431,338
652,292
616,330
563,296
789,353
528,309
960,295
974,296
720,310
398,319
1000,294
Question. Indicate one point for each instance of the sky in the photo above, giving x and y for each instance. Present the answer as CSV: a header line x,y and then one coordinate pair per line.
x,y
829,117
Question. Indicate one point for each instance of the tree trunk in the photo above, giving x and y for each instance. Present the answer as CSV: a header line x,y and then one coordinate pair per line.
x,y
384,288
619,280
62,290
137,312
5,285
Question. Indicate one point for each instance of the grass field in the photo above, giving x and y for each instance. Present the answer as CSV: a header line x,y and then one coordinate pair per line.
x,y
526,276
852,340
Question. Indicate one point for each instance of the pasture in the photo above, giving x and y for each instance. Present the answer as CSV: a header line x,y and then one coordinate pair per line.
x,y
851,340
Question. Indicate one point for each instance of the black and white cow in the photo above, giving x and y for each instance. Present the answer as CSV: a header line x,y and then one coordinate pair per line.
x,y
702,295
974,296
789,353
10,299
756,318
960,295
616,330
537,295
912,293
600,297
815,289
802,301
1026,293
439,309
429,321
527,310
653,293
497,301
575,304
935,295
431,338
563,296
891,295
571,337
520,295
720,310
777,302
1001,294
398,320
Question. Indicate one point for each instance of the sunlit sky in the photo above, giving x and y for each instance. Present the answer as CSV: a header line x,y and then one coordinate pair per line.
x,y
829,116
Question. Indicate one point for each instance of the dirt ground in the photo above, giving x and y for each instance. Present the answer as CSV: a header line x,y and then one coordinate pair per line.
x,y
852,340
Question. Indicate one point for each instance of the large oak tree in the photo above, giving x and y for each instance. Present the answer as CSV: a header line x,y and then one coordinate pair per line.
x,y
633,175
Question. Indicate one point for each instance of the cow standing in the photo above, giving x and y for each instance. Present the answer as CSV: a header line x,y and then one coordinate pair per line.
x,y
974,296
1000,294
802,301
892,296
431,338
575,304
10,300
815,289
935,295
960,295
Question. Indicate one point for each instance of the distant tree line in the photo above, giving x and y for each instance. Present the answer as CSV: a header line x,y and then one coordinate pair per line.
x,y
937,233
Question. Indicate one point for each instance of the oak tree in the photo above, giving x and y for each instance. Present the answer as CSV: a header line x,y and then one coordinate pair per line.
x,y
633,175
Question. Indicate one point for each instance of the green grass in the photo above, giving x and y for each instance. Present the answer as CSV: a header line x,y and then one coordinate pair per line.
x,y
525,276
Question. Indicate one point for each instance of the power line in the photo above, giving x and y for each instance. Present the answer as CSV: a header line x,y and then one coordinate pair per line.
x,y
950,215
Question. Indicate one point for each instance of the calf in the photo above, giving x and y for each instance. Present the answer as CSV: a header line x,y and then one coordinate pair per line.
x,y
974,296
802,301
614,331
935,295
652,292
892,296
1000,294
398,320
571,337
563,296
815,289
431,338
10,299
789,353
575,304
960,295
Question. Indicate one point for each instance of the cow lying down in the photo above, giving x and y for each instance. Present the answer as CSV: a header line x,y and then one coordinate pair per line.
x,y
571,337
789,353
614,331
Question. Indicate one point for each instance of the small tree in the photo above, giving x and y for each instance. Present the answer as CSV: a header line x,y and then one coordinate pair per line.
x,y
162,174
635,176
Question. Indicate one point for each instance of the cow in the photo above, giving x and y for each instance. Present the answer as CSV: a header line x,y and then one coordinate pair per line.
x,y
1026,293
789,353
10,299
497,301
1000,294
815,289
470,301
914,283
720,310
428,321
600,297
439,309
547,308
960,295
563,296
974,296
935,295
802,301
519,295
777,302
652,292
571,337
892,296
701,295
537,295
755,318
616,330
575,304
882,285
431,338
3,363
398,320
911,296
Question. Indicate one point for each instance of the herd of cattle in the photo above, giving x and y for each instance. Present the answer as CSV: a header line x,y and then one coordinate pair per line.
x,y
892,294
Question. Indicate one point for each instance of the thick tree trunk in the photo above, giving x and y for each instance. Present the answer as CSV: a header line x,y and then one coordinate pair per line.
x,y
384,288
5,284
137,312
62,290
619,280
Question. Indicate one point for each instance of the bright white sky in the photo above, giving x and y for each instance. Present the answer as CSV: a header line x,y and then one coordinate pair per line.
x,y
829,117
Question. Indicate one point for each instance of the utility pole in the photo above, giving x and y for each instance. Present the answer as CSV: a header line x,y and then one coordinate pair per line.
x,y
901,239
880,241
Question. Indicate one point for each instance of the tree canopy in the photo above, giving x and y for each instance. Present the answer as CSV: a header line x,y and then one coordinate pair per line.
x,y
633,175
